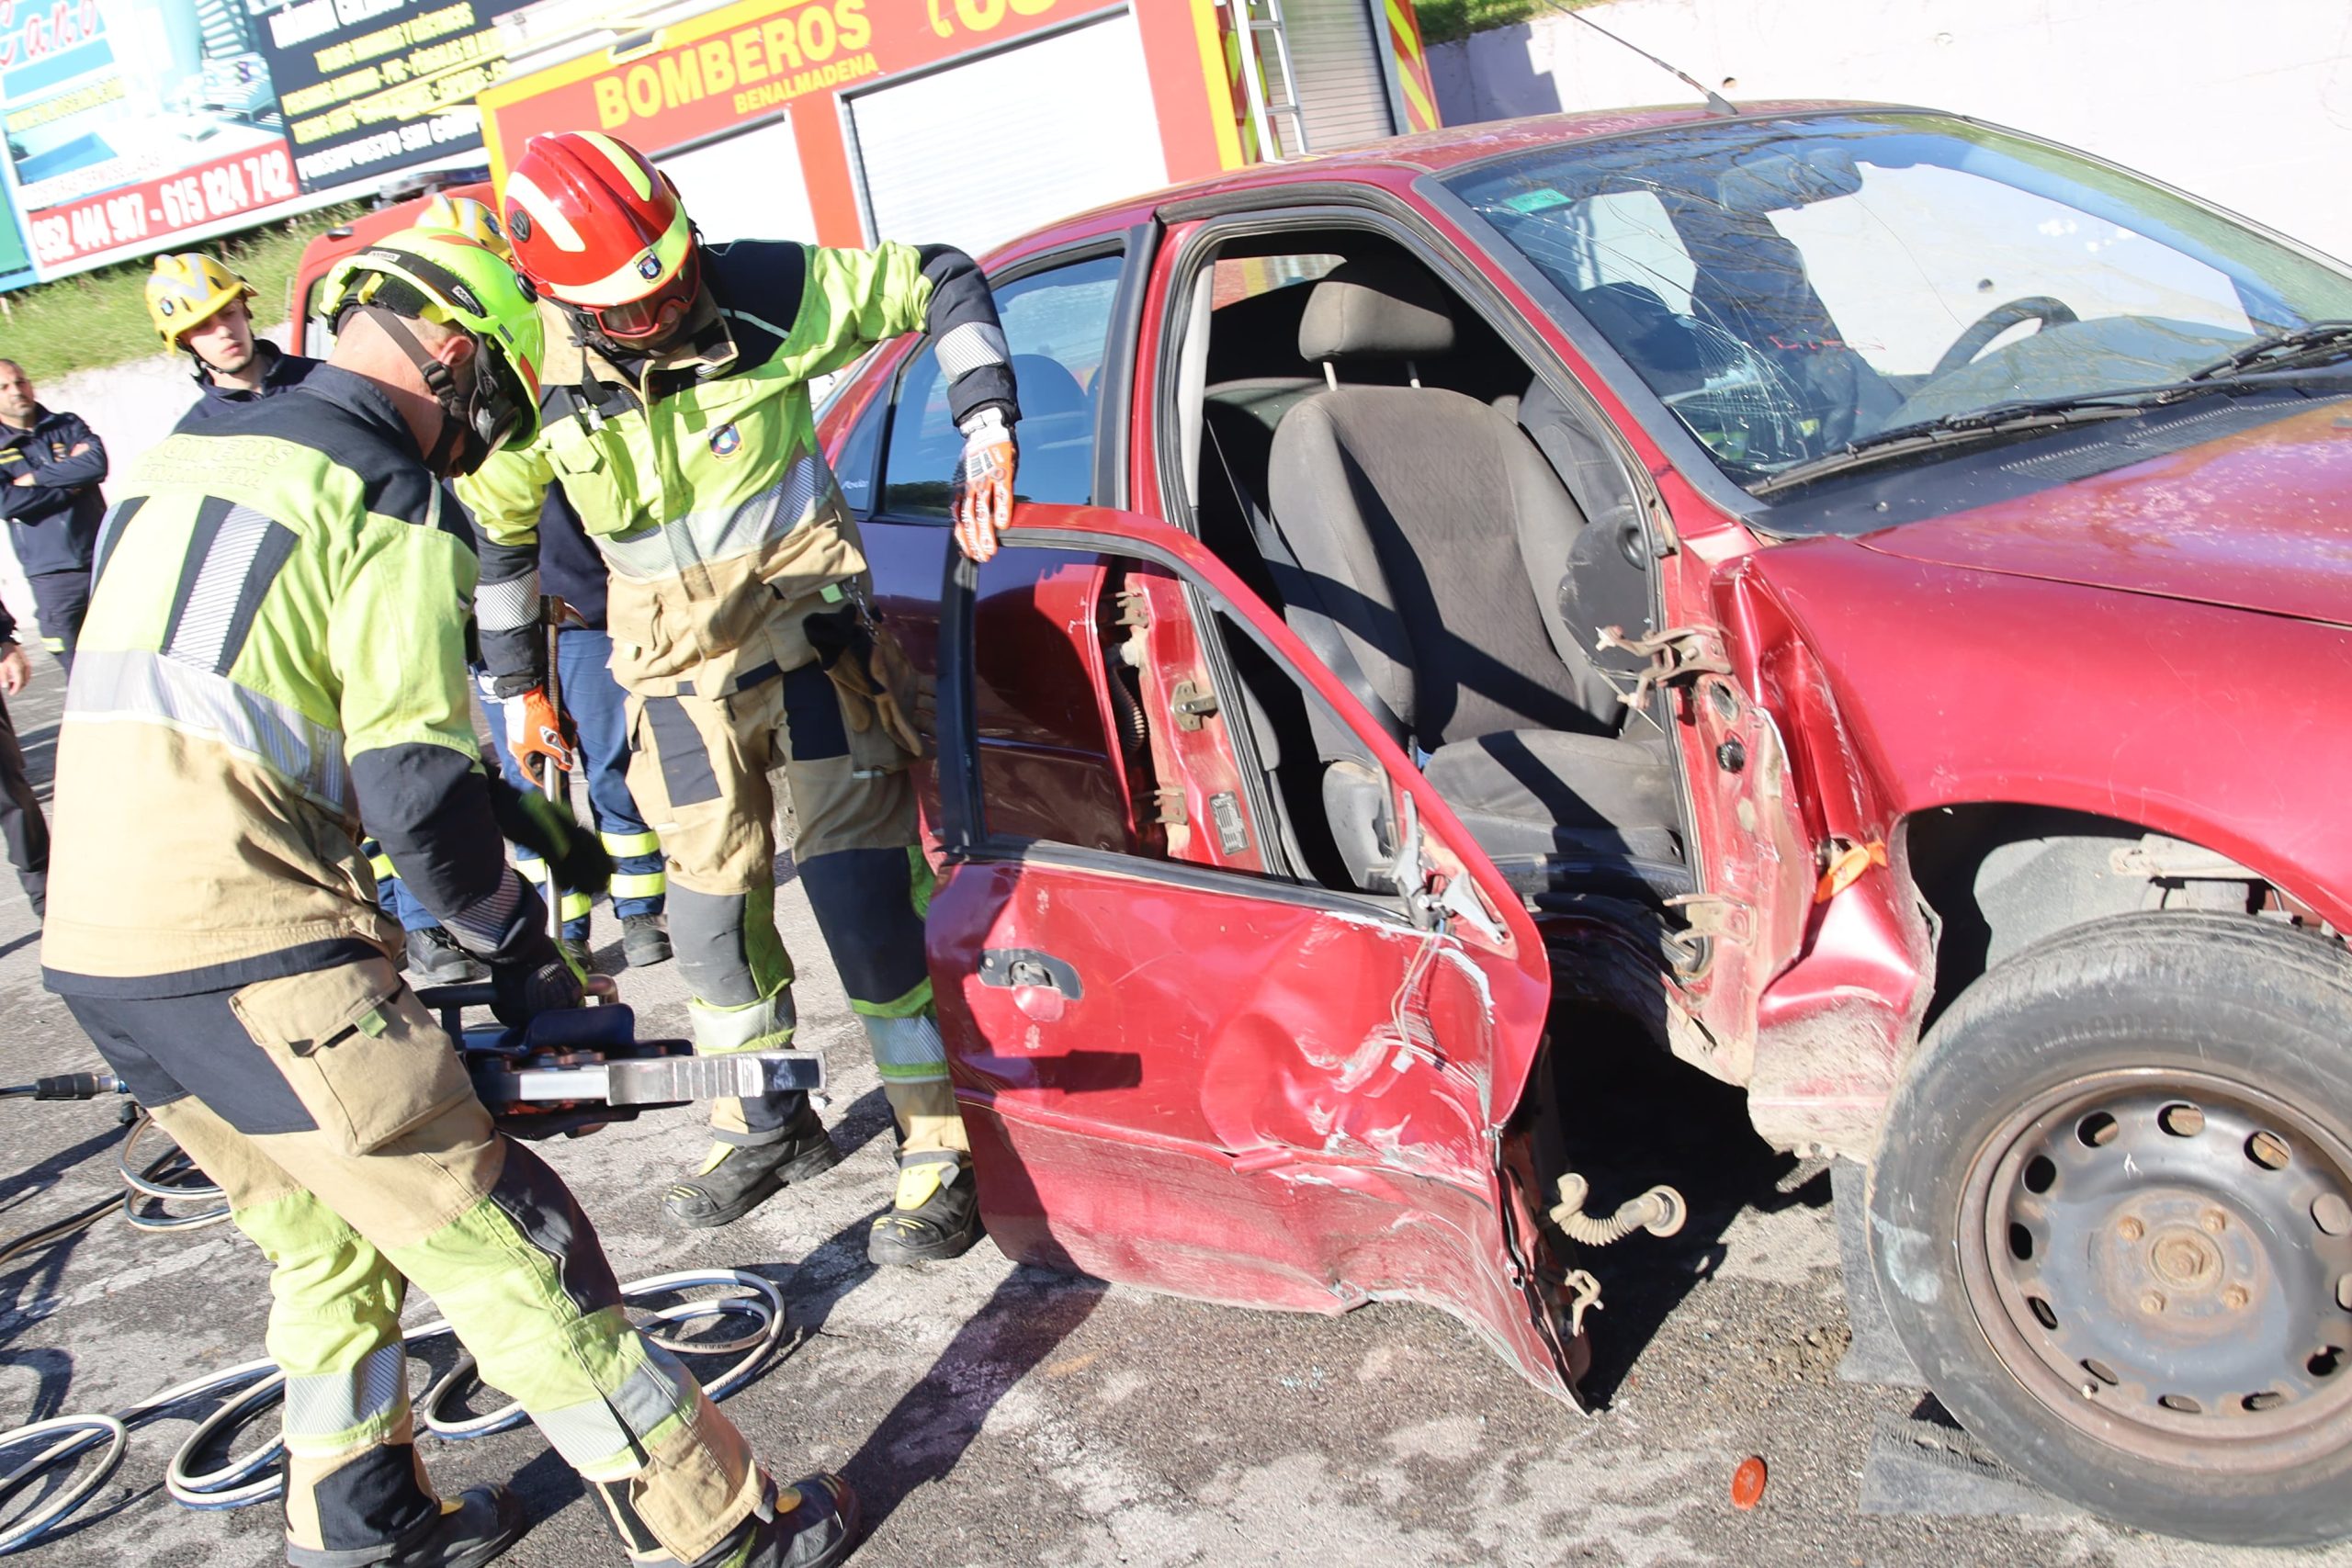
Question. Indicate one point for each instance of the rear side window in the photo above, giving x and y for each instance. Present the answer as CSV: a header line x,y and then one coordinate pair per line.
x,y
1057,324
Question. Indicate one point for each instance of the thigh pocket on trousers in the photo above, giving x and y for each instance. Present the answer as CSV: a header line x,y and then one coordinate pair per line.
x,y
674,755
363,1056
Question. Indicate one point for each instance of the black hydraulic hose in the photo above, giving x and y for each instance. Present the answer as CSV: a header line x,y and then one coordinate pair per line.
x,y
83,1218
66,1086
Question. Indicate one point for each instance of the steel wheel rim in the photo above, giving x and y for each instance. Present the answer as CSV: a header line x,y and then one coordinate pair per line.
x,y
2163,1259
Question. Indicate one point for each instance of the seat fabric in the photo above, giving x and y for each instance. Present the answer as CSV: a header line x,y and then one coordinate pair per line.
x,y
1410,507
1435,537
1543,792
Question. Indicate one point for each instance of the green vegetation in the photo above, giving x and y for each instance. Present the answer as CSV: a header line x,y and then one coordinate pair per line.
x,y
101,317
1450,21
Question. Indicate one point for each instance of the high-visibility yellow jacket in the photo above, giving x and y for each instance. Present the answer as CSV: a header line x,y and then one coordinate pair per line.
x,y
697,473
275,647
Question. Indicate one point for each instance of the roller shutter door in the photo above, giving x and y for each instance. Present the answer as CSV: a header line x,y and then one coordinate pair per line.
x,y
1341,86
746,186
976,153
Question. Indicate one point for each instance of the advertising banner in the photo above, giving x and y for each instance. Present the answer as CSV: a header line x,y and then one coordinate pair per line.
x,y
368,87
130,119
746,63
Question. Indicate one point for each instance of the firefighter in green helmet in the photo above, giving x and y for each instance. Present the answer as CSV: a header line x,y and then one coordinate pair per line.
x,y
275,651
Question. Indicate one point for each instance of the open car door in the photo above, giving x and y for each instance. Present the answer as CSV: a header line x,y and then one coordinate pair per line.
x,y
1188,1064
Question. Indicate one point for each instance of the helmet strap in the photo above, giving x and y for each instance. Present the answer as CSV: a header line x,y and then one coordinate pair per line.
x,y
456,408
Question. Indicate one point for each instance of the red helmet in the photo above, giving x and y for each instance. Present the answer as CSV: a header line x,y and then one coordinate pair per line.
x,y
598,228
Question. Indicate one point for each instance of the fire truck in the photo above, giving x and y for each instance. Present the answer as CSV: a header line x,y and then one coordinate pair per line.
x,y
961,121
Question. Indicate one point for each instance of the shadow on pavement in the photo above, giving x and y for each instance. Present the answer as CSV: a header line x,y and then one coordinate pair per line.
x,y
27,1281
1631,1117
922,1436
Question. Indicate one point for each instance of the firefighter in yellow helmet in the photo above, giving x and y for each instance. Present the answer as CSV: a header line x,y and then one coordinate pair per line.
x,y
464,215
276,651
199,305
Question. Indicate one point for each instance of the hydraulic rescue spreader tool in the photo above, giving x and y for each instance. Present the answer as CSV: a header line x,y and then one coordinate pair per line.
x,y
580,1067
569,1070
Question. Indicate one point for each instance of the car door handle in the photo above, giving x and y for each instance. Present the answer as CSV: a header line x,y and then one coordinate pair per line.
x,y
1028,968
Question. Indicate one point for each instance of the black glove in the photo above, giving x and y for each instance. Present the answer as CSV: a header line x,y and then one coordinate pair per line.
x,y
537,979
530,819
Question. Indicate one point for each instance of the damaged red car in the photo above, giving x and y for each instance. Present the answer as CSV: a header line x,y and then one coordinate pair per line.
x,y
1860,593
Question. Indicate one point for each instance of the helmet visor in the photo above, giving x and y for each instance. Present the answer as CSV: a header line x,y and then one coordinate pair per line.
x,y
657,314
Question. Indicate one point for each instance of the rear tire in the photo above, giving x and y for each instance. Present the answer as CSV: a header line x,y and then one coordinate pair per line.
x,y
2111,1218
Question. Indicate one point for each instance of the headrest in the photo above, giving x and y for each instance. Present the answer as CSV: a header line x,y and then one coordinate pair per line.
x,y
1376,311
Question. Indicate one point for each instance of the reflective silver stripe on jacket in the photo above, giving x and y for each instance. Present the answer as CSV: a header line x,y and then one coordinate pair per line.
x,y
969,348
110,685
720,532
204,623
503,606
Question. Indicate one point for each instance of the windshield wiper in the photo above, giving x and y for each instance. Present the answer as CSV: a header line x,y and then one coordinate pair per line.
x,y
2296,345
1957,430
2037,416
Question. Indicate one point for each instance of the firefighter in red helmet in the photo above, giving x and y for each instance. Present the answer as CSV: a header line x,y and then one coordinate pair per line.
x,y
677,420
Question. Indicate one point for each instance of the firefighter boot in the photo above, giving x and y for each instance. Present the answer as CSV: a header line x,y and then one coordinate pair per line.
x,y
434,958
468,1531
816,1531
737,1179
936,1214
643,941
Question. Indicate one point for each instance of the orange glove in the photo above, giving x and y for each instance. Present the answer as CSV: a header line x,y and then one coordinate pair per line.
x,y
982,490
534,728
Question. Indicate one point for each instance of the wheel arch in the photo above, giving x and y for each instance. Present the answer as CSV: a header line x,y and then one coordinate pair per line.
x,y
2003,875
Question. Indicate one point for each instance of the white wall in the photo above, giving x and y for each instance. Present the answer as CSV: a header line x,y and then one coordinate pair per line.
x,y
132,407
2247,103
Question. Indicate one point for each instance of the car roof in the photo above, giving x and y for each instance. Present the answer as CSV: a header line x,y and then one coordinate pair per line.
x,y
1398,161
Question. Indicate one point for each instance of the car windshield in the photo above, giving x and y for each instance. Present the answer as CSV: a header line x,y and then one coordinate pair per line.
x,y
1789,286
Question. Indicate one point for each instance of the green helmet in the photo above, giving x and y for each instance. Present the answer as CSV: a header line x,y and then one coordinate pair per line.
x,y
436,274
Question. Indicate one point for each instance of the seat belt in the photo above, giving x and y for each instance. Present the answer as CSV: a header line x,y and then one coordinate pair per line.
x,y
1303,608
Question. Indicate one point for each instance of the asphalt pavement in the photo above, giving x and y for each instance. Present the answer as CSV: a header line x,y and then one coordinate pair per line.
x,y
990,1414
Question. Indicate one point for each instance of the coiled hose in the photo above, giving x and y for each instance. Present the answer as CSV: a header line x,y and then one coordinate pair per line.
x,y
255,1477
154,1184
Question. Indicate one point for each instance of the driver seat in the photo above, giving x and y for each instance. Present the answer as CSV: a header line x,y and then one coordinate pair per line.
x,y
1422,523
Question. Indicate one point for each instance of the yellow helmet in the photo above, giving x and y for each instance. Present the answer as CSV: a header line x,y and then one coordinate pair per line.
x,y
187,289
464,215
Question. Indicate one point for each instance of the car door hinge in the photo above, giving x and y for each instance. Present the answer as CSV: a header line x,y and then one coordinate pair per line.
x,y
1192,701
1134,610
1678,653
1171,800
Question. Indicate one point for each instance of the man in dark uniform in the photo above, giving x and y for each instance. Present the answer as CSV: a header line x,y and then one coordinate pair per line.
x,y
52,463
22,827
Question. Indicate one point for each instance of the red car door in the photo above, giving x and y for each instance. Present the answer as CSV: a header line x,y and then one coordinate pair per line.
x,y
1184,1072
